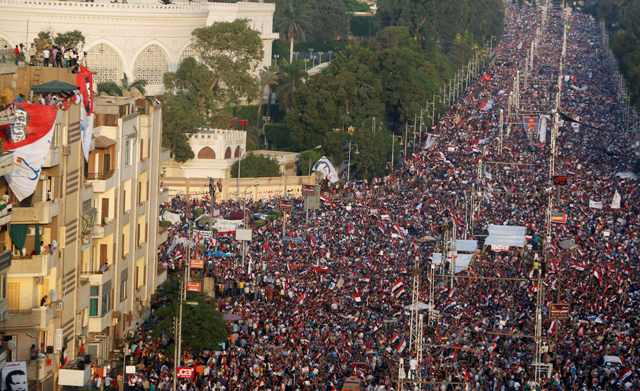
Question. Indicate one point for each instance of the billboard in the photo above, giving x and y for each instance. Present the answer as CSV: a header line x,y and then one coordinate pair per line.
x,y
14,376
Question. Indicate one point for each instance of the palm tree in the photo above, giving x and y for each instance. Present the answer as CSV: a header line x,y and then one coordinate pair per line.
x,y
290,76
113,89
267,79
292,18
137,85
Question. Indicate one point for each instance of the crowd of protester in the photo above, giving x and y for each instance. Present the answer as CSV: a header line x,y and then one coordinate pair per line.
x,y
48,56
325,298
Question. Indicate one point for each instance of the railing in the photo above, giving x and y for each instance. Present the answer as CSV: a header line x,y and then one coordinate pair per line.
x,y
108,4
99,176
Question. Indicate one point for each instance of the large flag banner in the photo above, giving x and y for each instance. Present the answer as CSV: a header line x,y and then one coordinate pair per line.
x,y
14,376
325,167
84,81
29,137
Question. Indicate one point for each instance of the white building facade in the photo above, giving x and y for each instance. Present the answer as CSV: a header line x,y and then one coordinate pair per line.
x,y
215,152
142,38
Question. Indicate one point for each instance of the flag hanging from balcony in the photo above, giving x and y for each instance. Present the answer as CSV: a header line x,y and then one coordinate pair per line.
x,y
28,136
84,81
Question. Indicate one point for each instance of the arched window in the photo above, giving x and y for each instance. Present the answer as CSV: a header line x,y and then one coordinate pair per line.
x,y
188,51
105,62
206,153
238,152
151,65
227,153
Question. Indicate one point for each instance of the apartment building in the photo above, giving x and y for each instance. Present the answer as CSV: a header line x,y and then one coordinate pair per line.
x,y
6,165
83,247
124,172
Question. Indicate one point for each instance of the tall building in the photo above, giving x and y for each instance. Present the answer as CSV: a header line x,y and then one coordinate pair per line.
x,y
142,38
83,246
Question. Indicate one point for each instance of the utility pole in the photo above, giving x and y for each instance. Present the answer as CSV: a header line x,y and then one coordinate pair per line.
x,y
501,125
406,130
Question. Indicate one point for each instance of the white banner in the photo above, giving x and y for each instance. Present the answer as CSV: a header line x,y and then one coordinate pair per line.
x,y
325,167
542,129
595,204
86,130
616,202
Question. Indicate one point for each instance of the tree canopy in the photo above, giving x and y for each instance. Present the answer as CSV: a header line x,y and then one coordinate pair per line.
x,y
198,338
256,166
621,18
206,90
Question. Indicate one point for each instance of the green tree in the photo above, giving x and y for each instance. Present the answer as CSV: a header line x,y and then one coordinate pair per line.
x,y
307,159
43,41
330,21
124,88
71,39
267,80
373,153
231,51
356,6
292,19
290,77
407,78
198,338
179,118
256,166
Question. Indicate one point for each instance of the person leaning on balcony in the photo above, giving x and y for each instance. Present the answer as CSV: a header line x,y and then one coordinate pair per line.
x,y
45,57
44,301
43,249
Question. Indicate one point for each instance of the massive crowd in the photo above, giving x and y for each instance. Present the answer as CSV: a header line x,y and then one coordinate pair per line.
x,y
330,301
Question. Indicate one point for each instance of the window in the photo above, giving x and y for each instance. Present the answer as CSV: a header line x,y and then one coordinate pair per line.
x,y
139,276
106,298
124,275
127,152
227,153
3,286
93,300
151,65
206,153
238,152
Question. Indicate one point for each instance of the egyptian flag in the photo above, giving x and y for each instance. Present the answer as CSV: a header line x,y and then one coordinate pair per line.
x,y
356,296
401,346
625,374
28,136
397,285
84,81
597,274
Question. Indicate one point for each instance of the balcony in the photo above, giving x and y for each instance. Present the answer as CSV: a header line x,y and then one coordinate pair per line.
x,y
42,212
74,376
101,182
164,195
163,235
165,155
97,324
5,260
36,318
97,277
102,230
6,163
35,266
53,157
38,369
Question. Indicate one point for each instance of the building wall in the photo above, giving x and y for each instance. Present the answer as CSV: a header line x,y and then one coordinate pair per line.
x,y
218,143
251,188
140,38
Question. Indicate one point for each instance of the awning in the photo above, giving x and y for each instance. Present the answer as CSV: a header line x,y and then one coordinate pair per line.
x,y
506,236
102,142
54,87
18,233
462,260
466,246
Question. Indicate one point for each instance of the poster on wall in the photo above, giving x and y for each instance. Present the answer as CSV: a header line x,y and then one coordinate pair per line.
x,y
14,376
